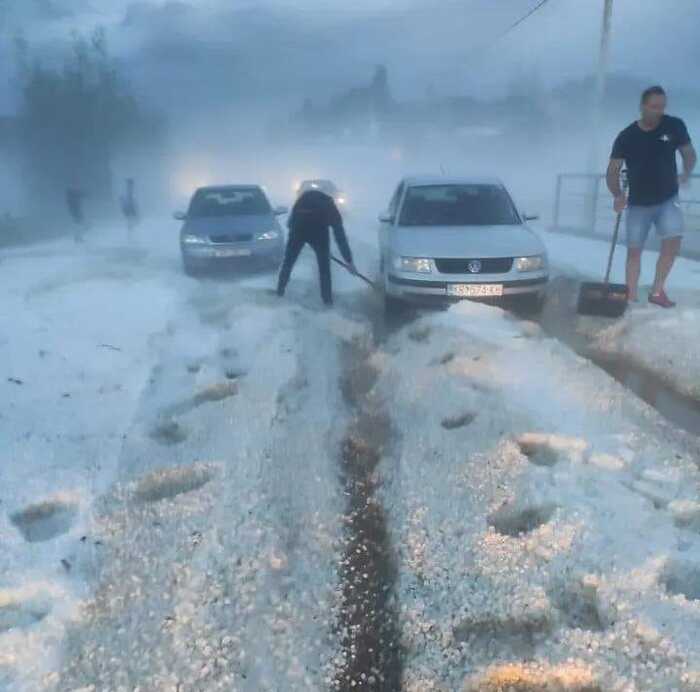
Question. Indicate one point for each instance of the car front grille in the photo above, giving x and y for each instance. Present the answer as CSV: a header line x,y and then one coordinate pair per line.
x,y
231,238
489,265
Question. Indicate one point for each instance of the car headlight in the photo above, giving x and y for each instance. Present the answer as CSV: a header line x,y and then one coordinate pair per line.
x,y
269,235
530,264
189,239
413,264
340,200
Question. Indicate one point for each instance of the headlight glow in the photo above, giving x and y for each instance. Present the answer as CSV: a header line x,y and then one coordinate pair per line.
x,y
340,200
530,264
189,239
269,235
413,264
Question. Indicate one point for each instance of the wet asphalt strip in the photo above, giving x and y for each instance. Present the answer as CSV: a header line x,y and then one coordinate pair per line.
x,y
369,628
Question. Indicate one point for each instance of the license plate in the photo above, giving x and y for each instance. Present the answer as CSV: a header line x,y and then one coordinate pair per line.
x,y
233,252
474,290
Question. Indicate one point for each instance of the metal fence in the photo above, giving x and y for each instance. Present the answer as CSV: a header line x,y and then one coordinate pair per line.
x,y
583,206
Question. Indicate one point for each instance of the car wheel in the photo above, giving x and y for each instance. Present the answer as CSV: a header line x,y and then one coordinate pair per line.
x,y
530,303
189,267
392,305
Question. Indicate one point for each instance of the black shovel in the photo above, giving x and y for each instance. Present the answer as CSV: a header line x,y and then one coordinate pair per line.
x,y
356,273
604,299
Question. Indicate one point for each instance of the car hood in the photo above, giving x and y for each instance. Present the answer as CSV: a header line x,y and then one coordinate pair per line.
x,y
465,241
258,223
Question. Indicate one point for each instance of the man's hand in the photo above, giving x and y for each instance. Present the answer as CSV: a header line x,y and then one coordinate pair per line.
x,y
620,203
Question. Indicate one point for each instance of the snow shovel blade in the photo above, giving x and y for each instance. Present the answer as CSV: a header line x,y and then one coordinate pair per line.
x,y
601,299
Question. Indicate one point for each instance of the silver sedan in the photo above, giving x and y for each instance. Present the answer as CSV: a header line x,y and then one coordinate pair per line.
x,y
445,239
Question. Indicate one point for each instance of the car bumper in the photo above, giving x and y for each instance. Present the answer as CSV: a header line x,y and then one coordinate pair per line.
x,y
216,253
435,288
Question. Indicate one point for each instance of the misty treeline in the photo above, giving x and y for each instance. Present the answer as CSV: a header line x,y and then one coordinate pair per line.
x,y
372,109
74,119
526,105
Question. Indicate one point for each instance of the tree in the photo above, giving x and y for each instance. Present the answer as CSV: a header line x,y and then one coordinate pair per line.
x,y
380,92
72,120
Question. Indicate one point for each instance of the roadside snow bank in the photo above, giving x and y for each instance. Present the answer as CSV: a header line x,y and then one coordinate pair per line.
x,y
554,525
662,341
76,326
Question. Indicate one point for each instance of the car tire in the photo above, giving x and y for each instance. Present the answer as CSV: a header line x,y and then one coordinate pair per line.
x,y
530,303
190,268
392,305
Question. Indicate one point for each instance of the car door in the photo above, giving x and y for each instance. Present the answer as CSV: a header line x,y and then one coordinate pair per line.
x,y
386,224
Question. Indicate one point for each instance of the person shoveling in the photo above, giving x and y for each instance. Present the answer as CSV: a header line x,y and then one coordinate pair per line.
x,y
648,147
312,216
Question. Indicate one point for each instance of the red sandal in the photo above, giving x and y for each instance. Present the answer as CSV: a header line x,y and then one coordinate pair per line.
x,y
661,299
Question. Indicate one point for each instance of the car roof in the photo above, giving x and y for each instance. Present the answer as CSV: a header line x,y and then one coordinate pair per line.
x,y
221,188
421,180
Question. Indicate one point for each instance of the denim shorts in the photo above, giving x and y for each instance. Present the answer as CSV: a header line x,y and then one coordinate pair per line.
x,y
667,218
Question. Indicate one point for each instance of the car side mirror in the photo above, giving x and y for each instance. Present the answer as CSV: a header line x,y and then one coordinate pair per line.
x,y
386,217
281,211
180,216
530,217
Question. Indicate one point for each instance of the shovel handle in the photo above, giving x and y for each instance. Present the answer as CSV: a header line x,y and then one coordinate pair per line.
x,y
613,245
361,276
625,186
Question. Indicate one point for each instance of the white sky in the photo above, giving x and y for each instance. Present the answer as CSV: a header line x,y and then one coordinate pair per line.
x,y
447,43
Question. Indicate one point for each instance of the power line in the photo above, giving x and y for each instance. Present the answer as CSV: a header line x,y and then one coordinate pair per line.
x,y
524,18
480,51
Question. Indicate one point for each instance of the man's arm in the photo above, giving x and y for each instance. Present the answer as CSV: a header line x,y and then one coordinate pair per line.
x,y
291,219
341,239
613,181
690,159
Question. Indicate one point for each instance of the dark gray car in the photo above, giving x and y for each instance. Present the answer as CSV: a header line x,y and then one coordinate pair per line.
x,y
229,224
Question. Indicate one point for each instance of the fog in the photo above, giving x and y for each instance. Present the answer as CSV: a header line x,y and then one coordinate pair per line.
x,y
467,91
212,478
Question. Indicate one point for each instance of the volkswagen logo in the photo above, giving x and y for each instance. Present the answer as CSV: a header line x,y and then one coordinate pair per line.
x,y
474,266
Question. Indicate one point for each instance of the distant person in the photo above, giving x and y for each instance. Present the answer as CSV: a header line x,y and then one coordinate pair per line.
x,y
648,147
129,207
74,201
312,216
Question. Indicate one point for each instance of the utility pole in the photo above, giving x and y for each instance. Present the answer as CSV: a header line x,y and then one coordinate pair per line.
x,y
597,119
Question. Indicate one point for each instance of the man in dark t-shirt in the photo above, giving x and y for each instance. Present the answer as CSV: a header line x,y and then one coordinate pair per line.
x,y
312,216
648,147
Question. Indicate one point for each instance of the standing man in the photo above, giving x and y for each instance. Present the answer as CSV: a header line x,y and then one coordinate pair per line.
x,y
74,201
648,147
313,213
129,207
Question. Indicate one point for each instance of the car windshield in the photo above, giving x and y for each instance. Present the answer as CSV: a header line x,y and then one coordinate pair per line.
x,y
228,202
458,205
